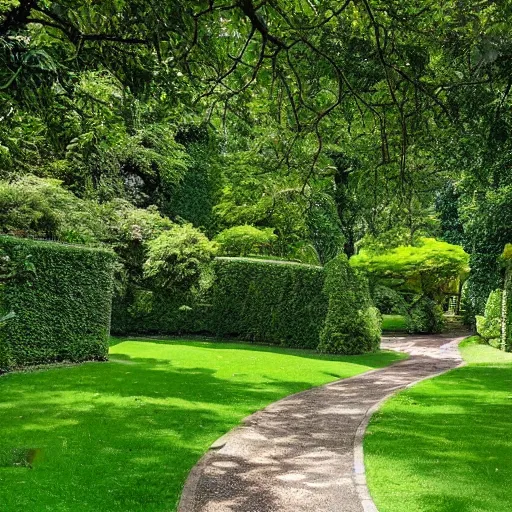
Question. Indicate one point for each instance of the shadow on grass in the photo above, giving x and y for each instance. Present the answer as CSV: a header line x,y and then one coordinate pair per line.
x,y
378,359
445,445
123,435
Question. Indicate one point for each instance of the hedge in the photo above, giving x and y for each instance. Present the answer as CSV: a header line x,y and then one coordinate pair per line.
x,y
257,300
506,340
268,301
145,311
62,311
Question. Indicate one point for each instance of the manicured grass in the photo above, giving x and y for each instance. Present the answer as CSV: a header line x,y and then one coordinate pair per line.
x,y
395,323
123,435
446,444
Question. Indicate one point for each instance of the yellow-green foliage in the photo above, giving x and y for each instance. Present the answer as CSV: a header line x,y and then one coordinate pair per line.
x,y
507,300
245,240
489,325
507,254
63,311
423,268
178,257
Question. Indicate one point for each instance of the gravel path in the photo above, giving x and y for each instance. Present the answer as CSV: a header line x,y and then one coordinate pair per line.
x,y
304,453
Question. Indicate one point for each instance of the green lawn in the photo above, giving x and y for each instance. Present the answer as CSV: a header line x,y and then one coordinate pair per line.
x,y
446,444
123,435
394,323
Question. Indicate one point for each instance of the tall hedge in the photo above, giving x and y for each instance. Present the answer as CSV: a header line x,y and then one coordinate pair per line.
x,y
277,302
268,301
352,324
507,300
62,312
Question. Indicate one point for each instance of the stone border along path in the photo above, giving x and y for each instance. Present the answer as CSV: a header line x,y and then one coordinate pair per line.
x,y
304,453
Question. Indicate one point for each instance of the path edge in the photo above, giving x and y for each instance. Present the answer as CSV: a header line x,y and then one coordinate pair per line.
x,y
359,470
188,493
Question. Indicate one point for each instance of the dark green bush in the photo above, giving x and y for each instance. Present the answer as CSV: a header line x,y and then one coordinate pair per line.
x,y
352,324
63,311
425,316
389,301
145,311
268,301
487,228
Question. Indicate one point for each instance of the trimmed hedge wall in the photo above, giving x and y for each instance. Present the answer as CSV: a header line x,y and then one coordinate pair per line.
x,y
63,311
268,301
277,302
506,340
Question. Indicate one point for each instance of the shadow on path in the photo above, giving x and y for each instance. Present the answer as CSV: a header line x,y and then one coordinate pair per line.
x,y
303,453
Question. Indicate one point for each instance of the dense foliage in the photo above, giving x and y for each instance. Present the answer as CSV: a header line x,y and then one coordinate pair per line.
x,y
389,301
424,315
62,313
245,240
177,259
352,324
412,280
426,268
274,302
506,340
489,325
286,128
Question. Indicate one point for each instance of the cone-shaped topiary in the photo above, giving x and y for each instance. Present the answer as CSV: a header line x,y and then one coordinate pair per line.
x,y
352,324
489,325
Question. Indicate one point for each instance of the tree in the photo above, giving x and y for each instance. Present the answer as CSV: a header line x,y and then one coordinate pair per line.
x,y
178,257
427,268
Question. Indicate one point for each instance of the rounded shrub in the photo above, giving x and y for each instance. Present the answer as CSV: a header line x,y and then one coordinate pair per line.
x,y
352,324
425,316
245,240
178,257
389,301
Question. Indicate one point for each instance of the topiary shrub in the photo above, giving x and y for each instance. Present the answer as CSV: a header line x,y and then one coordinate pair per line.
x,y
489,325
63,312
268,301
245,240
425,316
352,324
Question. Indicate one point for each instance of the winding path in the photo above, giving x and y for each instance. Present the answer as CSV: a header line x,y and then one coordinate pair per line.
x,y
304,453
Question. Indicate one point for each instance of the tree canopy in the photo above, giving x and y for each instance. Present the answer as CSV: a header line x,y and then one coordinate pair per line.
x,y
326,122
427,267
